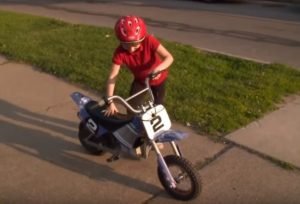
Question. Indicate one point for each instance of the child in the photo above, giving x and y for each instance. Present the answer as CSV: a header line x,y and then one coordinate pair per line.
x,y
142,54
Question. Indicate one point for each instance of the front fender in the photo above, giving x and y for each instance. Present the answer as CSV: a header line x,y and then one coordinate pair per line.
x,y
170,135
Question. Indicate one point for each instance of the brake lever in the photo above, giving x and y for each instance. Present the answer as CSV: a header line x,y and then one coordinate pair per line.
x,y
153,74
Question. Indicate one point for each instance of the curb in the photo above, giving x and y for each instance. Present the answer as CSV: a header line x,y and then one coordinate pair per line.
x,y
233,55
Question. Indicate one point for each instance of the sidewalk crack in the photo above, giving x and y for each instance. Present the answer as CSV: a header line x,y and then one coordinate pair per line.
x,y
201,164
57,105
283,164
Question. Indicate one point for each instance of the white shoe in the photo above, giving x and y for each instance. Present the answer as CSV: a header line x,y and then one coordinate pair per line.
x,y
146,149
138,151
160,145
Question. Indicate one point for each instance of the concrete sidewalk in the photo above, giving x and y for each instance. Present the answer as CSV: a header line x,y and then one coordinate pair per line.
x,y
276,135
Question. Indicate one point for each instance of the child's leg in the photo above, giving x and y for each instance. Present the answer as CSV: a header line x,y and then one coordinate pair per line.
x,y
159,93
138,100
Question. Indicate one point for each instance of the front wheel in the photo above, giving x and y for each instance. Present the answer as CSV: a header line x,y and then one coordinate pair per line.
x,y
188,184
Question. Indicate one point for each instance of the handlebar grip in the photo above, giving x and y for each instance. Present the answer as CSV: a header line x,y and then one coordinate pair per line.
x,y
102,102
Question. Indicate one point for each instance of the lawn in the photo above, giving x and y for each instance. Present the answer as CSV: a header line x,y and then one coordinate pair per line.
x,y
215,94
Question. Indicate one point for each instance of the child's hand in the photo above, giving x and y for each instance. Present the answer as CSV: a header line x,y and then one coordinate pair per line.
x,y
111,110
155,75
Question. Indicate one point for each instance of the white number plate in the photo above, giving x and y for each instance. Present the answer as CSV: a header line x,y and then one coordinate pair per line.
x,y
155,121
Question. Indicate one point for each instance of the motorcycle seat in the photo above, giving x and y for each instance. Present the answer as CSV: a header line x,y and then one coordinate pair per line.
x,y
109,122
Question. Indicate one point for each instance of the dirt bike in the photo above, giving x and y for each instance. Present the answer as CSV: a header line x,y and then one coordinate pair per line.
x,y
149,126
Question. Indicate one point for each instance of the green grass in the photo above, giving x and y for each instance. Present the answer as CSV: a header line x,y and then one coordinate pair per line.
x,y
216,94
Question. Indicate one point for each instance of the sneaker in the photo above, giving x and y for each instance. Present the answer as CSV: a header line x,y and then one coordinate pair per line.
x,y
138,151
146,148
160,145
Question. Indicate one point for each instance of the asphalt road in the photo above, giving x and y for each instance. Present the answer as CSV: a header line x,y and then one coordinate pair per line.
x,y
268,32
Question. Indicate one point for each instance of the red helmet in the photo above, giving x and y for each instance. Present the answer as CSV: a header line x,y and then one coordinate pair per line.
x,y
130,29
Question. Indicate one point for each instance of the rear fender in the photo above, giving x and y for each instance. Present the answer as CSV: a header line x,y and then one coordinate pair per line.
x,y
80,99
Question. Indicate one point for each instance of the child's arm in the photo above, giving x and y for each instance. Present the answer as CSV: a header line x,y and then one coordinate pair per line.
x,y
167,58
110,87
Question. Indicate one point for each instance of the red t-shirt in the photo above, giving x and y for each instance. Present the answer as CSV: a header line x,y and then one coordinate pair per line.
x,y
142,61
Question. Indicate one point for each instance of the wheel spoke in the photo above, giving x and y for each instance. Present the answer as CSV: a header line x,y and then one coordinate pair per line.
x,y
180,177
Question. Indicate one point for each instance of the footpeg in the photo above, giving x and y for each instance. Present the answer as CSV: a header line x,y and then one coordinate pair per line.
x,y
113,158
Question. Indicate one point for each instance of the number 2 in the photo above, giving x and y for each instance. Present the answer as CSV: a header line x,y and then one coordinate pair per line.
x,y
156,123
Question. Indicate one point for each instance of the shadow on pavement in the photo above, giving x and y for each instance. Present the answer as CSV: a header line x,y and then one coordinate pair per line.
x,y
49,139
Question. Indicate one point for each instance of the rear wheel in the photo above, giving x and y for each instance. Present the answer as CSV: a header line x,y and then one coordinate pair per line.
x,y
83,133
188,184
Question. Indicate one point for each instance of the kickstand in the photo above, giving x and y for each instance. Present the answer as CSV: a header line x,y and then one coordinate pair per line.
x,y
114,157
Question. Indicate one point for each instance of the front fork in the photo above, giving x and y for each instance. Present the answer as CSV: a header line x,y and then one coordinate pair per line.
x,y
162,164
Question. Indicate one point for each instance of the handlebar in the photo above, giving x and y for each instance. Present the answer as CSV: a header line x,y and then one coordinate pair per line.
x,y
125,103
106,100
